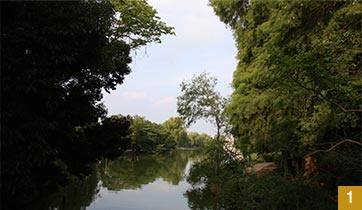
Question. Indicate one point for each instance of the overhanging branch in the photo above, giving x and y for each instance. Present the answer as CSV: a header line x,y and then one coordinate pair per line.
x,y
334,146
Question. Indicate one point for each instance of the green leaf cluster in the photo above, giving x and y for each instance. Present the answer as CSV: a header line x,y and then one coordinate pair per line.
x,y
138,23
150,137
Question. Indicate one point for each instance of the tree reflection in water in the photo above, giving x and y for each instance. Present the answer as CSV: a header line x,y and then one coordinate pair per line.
x,y
127,172
131,172
78,194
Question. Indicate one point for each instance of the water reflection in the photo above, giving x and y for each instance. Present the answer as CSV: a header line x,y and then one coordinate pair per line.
x,y
130,182
132,172
75,196
145,182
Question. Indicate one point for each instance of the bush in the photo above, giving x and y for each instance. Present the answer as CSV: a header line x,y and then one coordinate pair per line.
x,y
221,182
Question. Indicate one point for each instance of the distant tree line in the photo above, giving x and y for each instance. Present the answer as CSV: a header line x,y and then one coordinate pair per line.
x,y
150,137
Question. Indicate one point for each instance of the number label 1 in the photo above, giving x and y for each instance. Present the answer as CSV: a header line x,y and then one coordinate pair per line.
x,y
347,201
350,196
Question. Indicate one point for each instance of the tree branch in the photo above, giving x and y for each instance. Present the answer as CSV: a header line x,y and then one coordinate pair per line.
x,y
334,146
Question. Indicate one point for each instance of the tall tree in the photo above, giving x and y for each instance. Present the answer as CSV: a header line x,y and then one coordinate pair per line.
x,y
201,100
56,57
297,86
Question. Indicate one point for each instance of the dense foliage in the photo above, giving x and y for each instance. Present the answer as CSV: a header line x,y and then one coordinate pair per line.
x,y
220,182
297,93
297,86
150,137
56,58
176,128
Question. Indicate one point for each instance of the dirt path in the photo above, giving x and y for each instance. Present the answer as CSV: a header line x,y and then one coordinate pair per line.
x,y
264,167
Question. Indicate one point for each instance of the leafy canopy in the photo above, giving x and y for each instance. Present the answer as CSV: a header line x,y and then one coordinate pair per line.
x,y
138,23
199,99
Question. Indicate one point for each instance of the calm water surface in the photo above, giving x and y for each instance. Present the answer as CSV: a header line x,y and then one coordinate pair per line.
x,y
147,182
159,194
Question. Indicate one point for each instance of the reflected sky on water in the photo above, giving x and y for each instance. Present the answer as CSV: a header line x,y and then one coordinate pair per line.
x,y
157,194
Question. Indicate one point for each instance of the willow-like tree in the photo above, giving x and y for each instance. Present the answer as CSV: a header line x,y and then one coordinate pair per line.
x,y
199,100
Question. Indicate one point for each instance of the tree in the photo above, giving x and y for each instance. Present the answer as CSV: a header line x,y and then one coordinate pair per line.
x,y
297,86
115,131
199,140
201,100
150,137
53,71
176,128
138,23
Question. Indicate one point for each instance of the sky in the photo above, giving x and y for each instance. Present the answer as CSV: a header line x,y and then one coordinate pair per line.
x,y
202,44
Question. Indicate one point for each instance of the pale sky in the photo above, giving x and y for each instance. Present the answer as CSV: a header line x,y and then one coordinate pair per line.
x,y
202,44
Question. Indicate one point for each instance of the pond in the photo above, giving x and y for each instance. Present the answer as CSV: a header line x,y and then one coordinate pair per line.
x,y
146,182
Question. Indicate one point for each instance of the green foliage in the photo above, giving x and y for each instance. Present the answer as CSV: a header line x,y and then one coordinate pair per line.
x,y
297,86
198,140
53,71
220,182
149,137
297,92
230,11
201,100
251,192
138,23
176,129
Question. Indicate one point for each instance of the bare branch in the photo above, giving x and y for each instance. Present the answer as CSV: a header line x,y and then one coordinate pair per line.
x,y
334,146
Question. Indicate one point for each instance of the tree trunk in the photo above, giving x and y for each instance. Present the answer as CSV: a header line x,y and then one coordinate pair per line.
x,y
284,161
218,133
